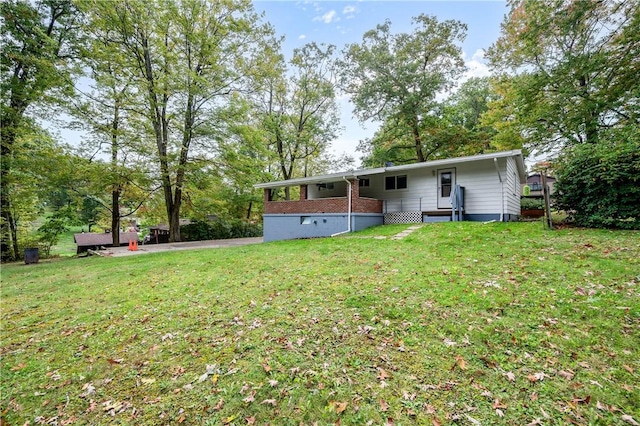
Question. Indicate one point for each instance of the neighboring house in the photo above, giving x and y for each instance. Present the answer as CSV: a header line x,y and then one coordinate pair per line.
x,y
94,241
486,187
534,181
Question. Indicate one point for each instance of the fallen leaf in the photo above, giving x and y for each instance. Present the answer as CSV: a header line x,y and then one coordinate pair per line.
x,y
510,376
339,406
460,362
229,419
473,421
629,369
269,402
499,413
219,405
250,397
382,374
182,418
19,366
115,361
250,420
627,418
568,375
266,366
383,405
436,422
584,400
498,404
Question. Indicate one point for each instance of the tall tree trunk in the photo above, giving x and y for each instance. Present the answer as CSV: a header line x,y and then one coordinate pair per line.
x,y
115,192
417,140
8,227
115,217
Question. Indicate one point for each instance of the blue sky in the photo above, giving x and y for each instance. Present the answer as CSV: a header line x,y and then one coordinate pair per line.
x,y
344,22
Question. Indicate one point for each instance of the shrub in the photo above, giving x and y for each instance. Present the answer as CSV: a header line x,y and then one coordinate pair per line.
x,y
219,230
531,204
598,185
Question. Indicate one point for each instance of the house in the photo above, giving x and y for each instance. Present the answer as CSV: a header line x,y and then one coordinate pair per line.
x,y
479,188
94,241
534,182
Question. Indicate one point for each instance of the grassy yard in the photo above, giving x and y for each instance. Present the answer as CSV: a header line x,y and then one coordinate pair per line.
x,y
458,323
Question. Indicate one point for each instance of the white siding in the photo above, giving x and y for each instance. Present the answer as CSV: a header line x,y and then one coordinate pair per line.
x,y
512,188
483,192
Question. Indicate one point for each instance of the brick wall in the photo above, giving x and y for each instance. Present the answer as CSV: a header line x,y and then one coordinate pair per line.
x,y
324,205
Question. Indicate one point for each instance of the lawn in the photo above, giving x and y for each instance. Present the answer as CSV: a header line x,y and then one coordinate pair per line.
x,y
457,323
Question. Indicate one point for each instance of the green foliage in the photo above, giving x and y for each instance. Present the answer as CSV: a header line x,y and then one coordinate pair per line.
x,y
531,203
53,227
599,184
577,68
394,78
219,230
38,40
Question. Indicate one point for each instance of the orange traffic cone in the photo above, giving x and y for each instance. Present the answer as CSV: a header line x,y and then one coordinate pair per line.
x,y
130,245
135,245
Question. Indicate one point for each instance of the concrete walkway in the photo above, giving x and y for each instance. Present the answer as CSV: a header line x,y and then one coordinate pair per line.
x,y
406,232
192,245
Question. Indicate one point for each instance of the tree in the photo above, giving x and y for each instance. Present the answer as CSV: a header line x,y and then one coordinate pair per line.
x,y
598,185
187,57
578,67
453,128
395,78
38,45
107,111
299,110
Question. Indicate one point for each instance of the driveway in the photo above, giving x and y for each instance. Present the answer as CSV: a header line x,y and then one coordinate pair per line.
x,y
191,245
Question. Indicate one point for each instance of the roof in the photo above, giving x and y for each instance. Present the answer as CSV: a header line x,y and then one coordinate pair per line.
x,y
105,239
335,177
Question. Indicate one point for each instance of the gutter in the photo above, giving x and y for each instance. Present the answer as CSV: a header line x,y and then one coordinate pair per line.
x,y
348,209
495,161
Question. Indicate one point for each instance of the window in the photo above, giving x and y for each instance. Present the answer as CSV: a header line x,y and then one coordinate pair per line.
x,y
445,184
364,183
325,186
395,182
305,220
535,186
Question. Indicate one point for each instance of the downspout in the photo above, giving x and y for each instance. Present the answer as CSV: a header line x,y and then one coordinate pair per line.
x,y
348,209
495,161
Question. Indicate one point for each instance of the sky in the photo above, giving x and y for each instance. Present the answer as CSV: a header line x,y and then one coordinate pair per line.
x,y
344,22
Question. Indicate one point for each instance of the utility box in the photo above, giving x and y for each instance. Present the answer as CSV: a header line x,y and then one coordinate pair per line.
x,y
31,255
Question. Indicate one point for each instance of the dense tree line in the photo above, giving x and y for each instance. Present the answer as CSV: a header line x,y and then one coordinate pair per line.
x,y
187,103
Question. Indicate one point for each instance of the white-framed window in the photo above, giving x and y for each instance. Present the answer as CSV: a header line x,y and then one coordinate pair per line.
x,y
364,183
392,183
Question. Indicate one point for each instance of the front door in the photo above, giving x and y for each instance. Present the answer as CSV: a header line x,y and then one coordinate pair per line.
x,y
446,182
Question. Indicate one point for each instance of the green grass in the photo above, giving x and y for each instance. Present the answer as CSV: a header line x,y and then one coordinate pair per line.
x,y
456,323
66,246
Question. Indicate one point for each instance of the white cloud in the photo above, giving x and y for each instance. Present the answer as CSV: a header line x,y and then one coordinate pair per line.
x,y
476,66
302,37
328,17
348,9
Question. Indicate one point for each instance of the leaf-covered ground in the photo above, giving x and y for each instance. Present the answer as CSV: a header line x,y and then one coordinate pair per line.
x,y
457,323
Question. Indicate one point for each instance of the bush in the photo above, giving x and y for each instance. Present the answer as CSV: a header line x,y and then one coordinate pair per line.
x,y
219,230
598,185
531,204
